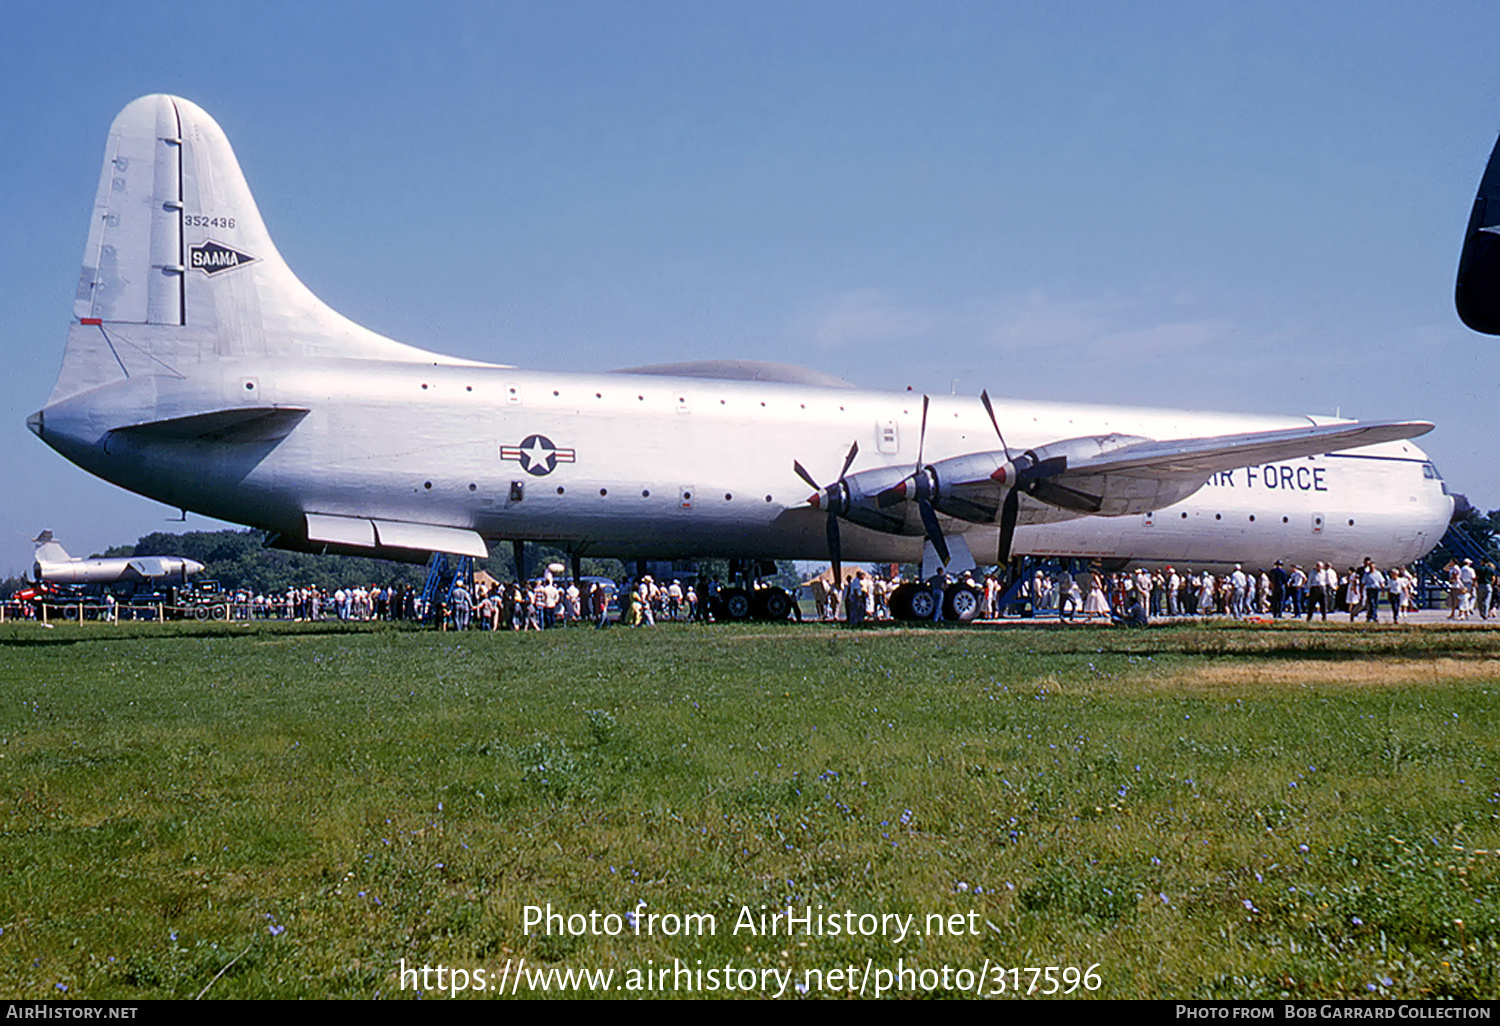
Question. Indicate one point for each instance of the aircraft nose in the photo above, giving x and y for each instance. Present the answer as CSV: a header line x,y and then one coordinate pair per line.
x,y
192,566
35,423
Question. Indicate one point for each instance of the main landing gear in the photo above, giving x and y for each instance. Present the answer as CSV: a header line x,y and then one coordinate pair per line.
x,y
747,598
912,601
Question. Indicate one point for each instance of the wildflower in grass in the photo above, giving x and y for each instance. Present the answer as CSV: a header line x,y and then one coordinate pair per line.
x,y
276,931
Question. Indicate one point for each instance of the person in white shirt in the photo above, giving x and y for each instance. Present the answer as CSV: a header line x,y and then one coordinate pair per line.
x,y
1372,584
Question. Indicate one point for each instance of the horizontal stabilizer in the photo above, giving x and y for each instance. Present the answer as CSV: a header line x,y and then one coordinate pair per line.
x,y
241,424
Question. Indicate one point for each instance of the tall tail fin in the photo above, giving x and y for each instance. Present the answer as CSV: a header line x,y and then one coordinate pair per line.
x,y
179,266
1477,293
49,551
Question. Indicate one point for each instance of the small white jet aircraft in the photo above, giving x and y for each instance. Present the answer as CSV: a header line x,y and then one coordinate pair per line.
x,y
200,372
55,566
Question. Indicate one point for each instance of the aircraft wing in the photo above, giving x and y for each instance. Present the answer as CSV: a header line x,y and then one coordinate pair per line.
x,y
1117,475
1201,457
1113,475
149,566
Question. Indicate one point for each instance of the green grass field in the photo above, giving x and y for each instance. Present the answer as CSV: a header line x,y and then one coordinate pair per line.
x,y
286,811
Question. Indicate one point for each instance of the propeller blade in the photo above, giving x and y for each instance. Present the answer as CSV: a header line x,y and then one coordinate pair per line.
x,y
849,460
1008,513
934,532
834,551
833,498
922,434
989,408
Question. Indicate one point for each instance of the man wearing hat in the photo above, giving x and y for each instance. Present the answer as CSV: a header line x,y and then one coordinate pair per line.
x,y
1278,589
1470,580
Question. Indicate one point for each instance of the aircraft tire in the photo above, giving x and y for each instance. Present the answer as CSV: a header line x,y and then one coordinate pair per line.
x,y
737,604
900,602
772,604
200,613
221,613
961,603
920,603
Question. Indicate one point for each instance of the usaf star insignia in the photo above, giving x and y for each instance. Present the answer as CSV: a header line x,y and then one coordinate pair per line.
x,y
537,455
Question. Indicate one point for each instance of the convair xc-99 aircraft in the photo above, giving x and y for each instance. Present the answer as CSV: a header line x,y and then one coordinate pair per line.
x,y
200,372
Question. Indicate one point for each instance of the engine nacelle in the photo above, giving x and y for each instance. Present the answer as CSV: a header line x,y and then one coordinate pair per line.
x,y
1076,450
1111,494
855,498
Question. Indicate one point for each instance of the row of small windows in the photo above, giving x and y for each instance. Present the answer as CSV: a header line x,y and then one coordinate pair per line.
x,y
681,400
645,492
1284,520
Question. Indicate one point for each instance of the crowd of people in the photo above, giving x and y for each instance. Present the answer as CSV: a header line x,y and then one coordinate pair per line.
x,y
1140,595
549,602
1136,596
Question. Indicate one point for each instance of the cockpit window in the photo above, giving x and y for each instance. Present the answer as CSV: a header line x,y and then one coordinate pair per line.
x,y
1430,472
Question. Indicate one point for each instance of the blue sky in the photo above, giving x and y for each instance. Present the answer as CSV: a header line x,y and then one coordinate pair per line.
x,y
1248,207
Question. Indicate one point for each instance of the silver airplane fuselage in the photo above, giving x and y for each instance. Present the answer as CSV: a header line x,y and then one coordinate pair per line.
x,y
643,466
201,373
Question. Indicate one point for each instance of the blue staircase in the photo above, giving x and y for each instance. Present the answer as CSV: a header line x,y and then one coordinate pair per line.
x,y
1012,603
444,573
1463,545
